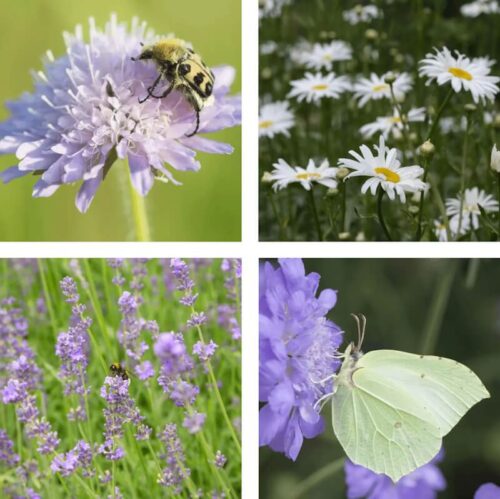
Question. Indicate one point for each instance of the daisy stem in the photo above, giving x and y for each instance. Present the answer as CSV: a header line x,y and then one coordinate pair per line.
x,y
303,488
343,188
140,215
439,113
381,193
274,207
404,121
498,187
462,178
315,214
418,234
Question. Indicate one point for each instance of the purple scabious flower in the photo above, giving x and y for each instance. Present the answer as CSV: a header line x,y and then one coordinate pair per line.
x,y
423,483
120,409
176,471
85,112
7,454
297,345
487,491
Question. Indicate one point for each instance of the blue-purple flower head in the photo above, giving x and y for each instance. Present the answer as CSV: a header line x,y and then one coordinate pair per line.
x,y
85,112
297,347
423,483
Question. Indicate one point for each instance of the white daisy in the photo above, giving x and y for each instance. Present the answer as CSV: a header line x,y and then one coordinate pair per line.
x,y
479,7
384,169
284,174
495,159
387,124
375,88
361,14
299,51
461,72
275,118
442,234
470,208
323,55
268,48
271,8
314,87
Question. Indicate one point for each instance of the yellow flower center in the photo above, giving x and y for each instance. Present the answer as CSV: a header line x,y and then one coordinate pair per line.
x,y
327,57
380,88
266,124
389,175
460,73
395,119
320,86
307,176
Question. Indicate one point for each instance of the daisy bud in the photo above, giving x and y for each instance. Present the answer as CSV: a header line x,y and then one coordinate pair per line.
x,y
345,236
496,121
399,59
390,78
332,192
413,209
371,34
342,173
495,159
360,237
470,108
427,149
266,73
267,178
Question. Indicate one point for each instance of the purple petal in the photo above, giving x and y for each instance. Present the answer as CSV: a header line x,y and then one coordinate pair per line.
x,y
12,173
206,145
87,192
487,491
140,173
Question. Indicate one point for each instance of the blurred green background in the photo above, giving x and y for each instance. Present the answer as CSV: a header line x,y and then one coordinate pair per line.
x,y
447,307
207,207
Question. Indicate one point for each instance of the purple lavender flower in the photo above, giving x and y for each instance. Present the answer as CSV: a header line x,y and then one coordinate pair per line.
x,y
487,491
7,454
121,409
423,483
194,422
220,459
296,345
85,112
145,370
181,271
80,457
176,470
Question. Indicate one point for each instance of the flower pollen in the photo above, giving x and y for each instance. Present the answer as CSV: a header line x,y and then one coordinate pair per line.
x,y
266,124
389,175
380,88
307,176
460,73
320,86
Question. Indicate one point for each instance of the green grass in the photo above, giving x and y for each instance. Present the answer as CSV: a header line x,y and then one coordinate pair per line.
x,y
205,208
136,475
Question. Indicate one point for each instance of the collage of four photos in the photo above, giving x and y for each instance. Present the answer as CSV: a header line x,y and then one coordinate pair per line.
x,y
153,345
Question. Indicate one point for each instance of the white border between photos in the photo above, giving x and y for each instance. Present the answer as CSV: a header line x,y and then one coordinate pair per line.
x,y
250,250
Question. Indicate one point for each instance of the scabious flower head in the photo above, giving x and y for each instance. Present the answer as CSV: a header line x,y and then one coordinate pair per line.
x,y
472,200
487,491
176,471
314,87
323,55
461,72
297,345
376,87
384,170
85,112
423,483
275,118
283,175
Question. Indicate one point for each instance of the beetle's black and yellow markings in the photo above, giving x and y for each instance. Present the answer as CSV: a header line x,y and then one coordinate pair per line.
x,y
184,69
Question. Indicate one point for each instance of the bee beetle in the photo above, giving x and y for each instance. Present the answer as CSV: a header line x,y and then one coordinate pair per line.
x,y
116,369
184,69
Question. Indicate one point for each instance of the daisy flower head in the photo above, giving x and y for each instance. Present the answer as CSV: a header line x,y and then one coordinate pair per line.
x,y
472,200
275,118
297,354
85,112
323,55
314,87
283,175
362,14
375,87
392,124
442,234
495,159
299,52
384,170
474,9
272,8
463,73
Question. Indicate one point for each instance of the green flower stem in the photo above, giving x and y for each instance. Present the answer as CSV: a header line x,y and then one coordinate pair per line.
x,y
498,187
404,121
381,193
48,299
462,178
439,303
315,214
418,234
343,189
327,471
217,392
274,207
140,216
439,114
442,209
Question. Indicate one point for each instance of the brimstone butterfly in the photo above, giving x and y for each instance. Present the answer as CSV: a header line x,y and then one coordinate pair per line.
x,y
391,410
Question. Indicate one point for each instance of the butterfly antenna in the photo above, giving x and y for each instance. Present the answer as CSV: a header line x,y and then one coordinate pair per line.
x,y
363,320
322,381
320,403
361,326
